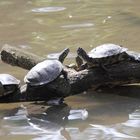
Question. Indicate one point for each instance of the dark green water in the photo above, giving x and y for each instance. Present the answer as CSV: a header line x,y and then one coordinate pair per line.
x,y
46,27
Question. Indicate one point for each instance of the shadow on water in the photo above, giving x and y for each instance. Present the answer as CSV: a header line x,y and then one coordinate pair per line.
x,y
126,90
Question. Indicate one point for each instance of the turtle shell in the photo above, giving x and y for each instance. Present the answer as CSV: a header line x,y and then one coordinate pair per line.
x,y
44,72
106,50
7,79
8,84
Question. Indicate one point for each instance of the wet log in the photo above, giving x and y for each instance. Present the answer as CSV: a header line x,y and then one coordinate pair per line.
x,y
126,72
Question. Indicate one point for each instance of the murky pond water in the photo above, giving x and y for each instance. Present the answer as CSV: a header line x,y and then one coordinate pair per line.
x,y
45,27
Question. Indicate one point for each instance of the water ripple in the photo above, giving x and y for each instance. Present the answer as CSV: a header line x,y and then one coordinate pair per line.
x,y
82,25
48,9
134,120
53,124
111,132
78,114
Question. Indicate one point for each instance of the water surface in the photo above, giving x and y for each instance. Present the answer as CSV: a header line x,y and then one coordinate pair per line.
x,y
46,27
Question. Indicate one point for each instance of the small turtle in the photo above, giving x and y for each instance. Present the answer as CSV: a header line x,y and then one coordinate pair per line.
x,y
46,71
8,84
103,55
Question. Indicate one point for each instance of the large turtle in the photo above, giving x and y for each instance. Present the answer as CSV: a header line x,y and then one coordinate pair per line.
x,y
46,72
103,55
8,84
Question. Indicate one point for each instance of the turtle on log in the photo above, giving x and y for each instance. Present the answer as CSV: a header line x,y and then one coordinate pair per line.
x,y
103,55
8,84
45,72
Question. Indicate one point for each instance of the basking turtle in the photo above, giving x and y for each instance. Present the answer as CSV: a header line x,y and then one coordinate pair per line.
x,y
103,55
46,71
8,84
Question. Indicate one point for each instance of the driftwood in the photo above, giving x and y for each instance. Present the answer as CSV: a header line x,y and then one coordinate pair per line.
x,y
126,72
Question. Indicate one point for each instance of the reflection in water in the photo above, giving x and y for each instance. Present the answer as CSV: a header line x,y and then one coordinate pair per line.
x,y
111,132
135,115
48,26
78,114
62,123
82,25
48,9
50,124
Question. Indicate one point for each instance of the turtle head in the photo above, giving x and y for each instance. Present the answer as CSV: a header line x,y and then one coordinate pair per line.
x,y
63,55
82,54
88,59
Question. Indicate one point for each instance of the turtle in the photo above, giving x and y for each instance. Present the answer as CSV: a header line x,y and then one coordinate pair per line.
x,y
103,55
46,71
8,84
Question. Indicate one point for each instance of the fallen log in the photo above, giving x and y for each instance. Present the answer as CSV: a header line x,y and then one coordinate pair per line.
x,y
126,72
18,57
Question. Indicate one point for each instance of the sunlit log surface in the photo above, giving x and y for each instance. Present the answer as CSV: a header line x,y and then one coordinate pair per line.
x,y
18,57
126,72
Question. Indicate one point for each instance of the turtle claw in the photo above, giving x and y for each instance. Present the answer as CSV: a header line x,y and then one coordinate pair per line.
x,y
65,74
1,89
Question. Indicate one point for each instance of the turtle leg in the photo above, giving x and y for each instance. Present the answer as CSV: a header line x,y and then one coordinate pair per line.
x,y
104,68
106,71
79,64
65,74
1,90
23,91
